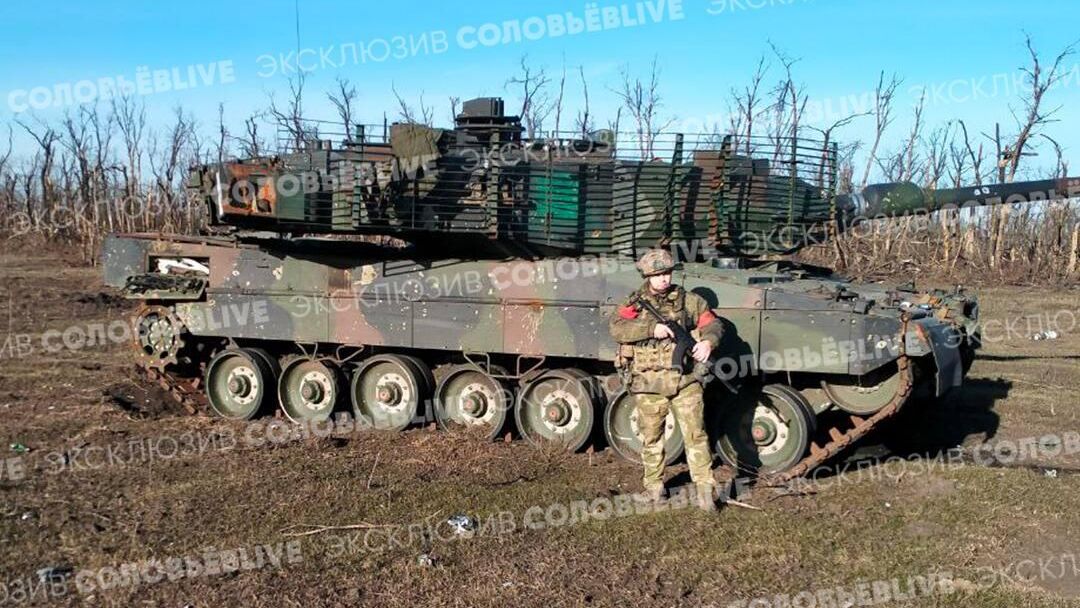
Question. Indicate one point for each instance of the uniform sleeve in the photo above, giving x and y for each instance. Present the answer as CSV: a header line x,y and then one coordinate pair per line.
x,y
703,319
630,324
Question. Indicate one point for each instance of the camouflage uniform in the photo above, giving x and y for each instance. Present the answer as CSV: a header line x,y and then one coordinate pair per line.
x,y
658,386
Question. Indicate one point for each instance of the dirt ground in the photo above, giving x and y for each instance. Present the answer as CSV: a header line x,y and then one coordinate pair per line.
x,y
970,522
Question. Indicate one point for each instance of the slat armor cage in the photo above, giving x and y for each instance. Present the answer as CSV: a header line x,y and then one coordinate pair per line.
x,y
565,194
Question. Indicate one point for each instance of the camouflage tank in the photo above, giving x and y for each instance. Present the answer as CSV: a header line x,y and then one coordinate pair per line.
x,y
465,276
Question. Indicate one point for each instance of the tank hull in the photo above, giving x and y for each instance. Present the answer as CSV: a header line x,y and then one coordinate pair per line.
x,y
818,334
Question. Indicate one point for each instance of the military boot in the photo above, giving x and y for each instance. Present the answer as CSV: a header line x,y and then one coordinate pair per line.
x,y
705,500
654,495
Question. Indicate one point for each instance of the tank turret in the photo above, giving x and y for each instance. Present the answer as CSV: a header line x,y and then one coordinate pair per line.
x,y
502,193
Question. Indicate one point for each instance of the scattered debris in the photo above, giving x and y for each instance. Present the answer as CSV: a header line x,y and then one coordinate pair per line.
x,y
736,503
101,300
425,560
297,529
1051,473
19,448
1045,335
54,574
461,524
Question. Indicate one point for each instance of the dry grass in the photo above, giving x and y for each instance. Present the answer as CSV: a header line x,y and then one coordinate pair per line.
x,y
863,529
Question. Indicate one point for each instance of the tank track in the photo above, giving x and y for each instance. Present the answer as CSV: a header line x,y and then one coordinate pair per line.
x,y
188,392
860,427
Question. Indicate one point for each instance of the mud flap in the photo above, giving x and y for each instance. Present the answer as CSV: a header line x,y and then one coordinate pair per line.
x,y
944,342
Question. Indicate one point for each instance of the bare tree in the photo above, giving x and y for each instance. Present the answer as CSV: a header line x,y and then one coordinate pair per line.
x,y
642,101
343,98
975,157
455,103
901,165
1035,117
584,118
130,117
103,133
290,117
47,140
77,144
559,99
251,145
408,114
787,107
535,105
746,105
1061,166
165,165
883,100
7,155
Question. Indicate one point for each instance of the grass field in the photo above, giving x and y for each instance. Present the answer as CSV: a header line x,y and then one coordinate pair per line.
x,y
884,525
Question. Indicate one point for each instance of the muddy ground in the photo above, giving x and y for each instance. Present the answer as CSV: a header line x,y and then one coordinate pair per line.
x,y
970,522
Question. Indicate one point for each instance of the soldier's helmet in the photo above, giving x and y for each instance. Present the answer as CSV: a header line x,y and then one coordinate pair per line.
x,y
656,261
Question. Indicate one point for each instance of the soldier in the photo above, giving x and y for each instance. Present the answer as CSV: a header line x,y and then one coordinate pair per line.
x,y
646,347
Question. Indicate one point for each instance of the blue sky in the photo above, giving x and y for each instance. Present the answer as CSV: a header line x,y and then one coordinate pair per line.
x,y
842,45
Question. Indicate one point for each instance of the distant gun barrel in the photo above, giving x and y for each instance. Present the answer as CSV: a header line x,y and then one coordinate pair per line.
x,y
904,198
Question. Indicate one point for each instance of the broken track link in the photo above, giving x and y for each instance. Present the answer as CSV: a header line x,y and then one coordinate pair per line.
x,y
188,392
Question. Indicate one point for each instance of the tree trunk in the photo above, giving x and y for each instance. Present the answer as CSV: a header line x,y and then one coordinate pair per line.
x,y
1074,250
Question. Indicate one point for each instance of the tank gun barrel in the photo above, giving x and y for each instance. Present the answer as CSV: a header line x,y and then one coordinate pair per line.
x,y
902,198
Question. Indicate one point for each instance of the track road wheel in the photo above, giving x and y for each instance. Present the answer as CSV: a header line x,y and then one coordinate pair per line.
x,y
308,389
763,430
621,430
472,399
240,382
865,395
388,391
557,407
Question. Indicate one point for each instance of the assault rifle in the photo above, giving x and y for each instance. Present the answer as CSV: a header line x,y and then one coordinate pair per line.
x,y
684,342
684,346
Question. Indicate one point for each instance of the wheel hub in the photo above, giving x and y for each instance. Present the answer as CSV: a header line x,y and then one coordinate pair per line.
x,y
474,404
160,335
242,385
239,386
763,432
768,431
558,412
388,394
311,391
392,392
316,390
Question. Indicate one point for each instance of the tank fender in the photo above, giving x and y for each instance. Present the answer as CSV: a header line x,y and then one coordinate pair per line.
x,y
943,341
